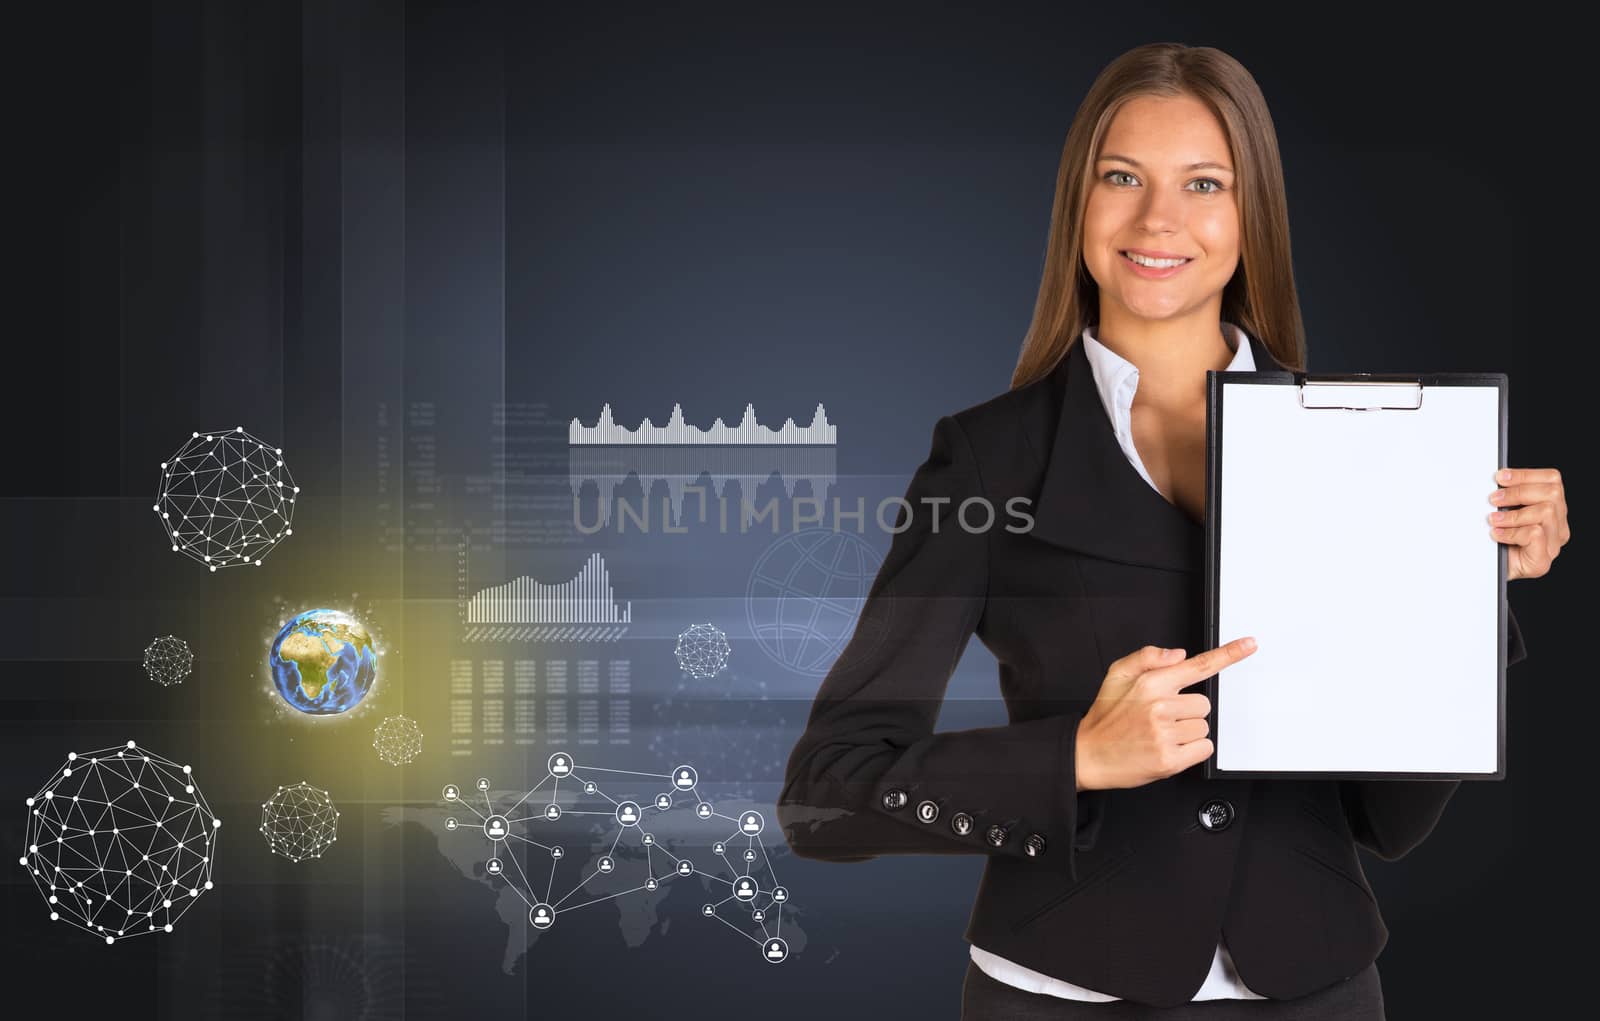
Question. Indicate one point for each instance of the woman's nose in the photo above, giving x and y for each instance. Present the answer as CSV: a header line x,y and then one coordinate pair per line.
x,y
1161,213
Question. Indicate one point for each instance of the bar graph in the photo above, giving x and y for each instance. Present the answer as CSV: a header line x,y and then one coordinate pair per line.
x,y
584,608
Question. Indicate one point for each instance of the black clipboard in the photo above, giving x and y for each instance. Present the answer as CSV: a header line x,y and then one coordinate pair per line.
x,y
1349,397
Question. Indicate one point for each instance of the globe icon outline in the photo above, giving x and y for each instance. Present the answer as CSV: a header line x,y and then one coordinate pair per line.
x,y
805,599
323,662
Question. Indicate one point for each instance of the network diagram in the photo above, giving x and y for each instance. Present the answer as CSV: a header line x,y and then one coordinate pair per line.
x,y
753,895
121,843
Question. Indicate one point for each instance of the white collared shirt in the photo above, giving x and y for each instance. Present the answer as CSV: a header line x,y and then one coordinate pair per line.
x,y
1117,378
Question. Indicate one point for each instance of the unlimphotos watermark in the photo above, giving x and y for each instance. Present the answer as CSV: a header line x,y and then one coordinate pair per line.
x,y
974,515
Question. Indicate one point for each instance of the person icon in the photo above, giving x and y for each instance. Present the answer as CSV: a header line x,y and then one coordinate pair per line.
x,y
650,884
451,824
708,910
703,810
649,838
751,823
749,854
757,916
776,950
589,787
483,783
628,814
605,865
451,792
684,781
560,765
493,867
745,890
780,894
663,802
685,868
542,916
496,827
717,848
556,852
552,811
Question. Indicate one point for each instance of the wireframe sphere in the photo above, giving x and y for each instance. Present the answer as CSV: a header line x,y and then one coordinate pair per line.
x,y
703,651
226,498
167,660
398,740
299,821
120,842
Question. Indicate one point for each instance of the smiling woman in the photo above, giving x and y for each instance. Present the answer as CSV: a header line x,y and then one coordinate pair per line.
x,y
1186,208
1171,155
1115,870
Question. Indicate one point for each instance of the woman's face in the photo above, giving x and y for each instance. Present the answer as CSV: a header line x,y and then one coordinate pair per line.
x,y
1162,187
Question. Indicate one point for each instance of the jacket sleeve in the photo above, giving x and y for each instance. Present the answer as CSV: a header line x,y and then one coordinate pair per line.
x,y
869,776
1391,817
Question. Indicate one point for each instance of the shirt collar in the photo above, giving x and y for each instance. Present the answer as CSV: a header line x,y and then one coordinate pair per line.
x,y
1116,378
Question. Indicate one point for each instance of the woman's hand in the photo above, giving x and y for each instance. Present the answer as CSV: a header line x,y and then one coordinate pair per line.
x,y
1532,519
1140,728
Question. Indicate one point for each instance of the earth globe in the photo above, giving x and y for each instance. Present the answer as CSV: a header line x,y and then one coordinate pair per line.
x,y
323,662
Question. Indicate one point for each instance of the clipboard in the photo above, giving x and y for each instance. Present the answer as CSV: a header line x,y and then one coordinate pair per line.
x,y
1347,530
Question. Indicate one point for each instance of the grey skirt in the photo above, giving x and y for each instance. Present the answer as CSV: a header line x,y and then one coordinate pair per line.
x,y
1357,998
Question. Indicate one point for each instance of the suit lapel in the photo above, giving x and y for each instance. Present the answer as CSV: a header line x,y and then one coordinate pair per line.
x,y
1093,500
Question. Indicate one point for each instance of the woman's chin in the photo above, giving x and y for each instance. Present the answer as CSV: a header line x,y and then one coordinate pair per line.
x,y
1143,307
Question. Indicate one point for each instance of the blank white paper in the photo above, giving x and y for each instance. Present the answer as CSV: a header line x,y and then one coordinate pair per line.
x,y
1355,547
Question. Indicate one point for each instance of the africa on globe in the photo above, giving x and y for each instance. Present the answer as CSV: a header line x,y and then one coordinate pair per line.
x,y
323,662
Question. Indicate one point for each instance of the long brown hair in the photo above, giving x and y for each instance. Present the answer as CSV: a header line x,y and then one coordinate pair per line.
x,y
1261,297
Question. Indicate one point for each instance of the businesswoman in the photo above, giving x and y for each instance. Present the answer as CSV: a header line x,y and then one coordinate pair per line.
x,y
1118,882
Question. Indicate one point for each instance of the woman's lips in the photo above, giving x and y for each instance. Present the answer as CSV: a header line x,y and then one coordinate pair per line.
x,y
1153,272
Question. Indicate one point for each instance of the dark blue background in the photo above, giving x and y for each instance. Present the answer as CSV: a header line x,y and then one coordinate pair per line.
x,y
286,214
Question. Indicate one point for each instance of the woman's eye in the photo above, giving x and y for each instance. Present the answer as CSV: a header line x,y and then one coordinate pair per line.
x,y
1112,176
1216,185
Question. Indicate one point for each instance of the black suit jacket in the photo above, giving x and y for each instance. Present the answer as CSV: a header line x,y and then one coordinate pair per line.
x,y
1124,891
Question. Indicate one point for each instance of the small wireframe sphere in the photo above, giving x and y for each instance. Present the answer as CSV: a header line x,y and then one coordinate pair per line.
x,y
703,651
398,740
167,660
299,821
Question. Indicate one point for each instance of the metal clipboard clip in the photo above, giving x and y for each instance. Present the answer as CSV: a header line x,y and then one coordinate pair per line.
x,y
1346,394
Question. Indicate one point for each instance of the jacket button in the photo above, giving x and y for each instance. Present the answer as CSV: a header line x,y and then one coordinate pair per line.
x,y
927,811
996,836
1216,814
895,798
1034,845
961,822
